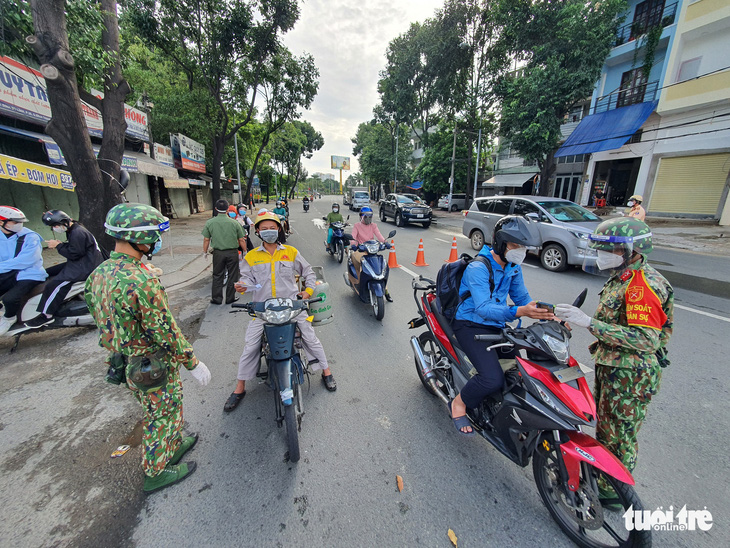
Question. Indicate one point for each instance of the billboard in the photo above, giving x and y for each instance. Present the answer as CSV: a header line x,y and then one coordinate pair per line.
x,y
187,154
340,162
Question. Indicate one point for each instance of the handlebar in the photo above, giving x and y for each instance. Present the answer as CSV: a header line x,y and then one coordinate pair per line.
x,y
488,338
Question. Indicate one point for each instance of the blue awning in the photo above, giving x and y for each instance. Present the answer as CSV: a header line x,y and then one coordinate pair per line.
x,y
606,130
55,157
415,185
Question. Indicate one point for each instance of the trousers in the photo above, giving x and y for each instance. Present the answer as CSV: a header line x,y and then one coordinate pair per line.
x,y
13,291
224,261
248,364
54,292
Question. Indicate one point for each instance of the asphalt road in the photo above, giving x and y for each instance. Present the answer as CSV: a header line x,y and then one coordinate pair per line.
x,y
381,423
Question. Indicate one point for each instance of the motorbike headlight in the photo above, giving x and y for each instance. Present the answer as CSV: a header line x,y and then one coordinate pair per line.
x,y
372,248
278,311
560,349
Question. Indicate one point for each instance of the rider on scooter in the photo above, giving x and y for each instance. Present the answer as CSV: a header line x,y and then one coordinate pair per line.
x,y
281,210
362,232
485,313
21,263
332,217
268,271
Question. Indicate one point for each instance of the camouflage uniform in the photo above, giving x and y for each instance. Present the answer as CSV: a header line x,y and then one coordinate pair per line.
x,y
130,308
627,369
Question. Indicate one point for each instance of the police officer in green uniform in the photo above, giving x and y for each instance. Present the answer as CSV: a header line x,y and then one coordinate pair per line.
x,y
129,305
633,324
226,235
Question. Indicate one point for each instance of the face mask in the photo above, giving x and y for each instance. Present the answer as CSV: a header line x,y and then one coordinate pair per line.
x,y
366,220
631,203
335,210
516,256
242,212
156,248
59,229
231,215
17,227
606,260
269,236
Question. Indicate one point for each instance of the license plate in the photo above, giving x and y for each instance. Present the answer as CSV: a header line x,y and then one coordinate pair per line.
x,y
419,216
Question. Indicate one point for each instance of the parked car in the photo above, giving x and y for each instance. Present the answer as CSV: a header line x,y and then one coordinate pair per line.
x,y
404,210
564,226
458,202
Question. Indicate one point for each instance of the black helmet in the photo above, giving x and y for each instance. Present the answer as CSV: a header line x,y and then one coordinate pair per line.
x,y
56,217
516,229
335,204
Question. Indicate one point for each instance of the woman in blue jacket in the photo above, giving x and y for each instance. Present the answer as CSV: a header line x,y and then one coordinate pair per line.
x,y
486,310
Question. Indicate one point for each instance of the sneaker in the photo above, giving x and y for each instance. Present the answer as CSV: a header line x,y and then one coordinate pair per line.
x,y
171,474
39,321
186,445
6,323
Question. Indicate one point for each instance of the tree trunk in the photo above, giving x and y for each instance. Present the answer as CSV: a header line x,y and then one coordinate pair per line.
x,y
547,168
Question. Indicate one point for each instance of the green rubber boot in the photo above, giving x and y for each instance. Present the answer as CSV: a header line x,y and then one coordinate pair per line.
x,y
186,445
171,474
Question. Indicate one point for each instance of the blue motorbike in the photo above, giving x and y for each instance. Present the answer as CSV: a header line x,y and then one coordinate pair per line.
x,y
286,361
371,281
340,240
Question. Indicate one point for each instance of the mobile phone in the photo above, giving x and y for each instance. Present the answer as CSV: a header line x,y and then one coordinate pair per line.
x,y
547,306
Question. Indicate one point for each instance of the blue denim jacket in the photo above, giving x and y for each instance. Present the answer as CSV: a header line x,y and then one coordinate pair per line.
x,y
491,310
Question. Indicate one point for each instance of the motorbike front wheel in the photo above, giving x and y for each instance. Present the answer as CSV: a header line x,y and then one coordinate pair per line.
x,y
584,519
378,307
292,431
340,251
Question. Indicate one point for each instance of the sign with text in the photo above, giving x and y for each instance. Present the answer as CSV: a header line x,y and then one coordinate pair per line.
x,y
163,154
19,170
340,162
186,153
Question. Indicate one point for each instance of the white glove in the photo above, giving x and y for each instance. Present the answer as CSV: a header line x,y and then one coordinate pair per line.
x,y
572,315
201,373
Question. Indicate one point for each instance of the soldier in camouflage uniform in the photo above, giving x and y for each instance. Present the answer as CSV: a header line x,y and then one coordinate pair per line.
x,y
130,308
633,324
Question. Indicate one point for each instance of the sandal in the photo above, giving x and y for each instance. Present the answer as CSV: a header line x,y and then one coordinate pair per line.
x,y
233,401
329,382
461,422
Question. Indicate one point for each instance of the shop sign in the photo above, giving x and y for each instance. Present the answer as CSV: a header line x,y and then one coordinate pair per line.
x,y
22,171
163,154
196,182
187,154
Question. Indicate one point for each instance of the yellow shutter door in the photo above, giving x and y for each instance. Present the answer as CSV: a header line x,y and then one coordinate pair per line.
x,y
690,184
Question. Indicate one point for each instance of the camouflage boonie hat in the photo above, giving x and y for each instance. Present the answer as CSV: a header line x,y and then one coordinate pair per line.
x,y
136,223
622,232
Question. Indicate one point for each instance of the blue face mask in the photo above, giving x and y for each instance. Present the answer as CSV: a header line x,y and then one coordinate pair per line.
x,y
156,248
231,215
241,212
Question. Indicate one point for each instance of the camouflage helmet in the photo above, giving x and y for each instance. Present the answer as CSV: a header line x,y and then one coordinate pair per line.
x,y
136,223
622,233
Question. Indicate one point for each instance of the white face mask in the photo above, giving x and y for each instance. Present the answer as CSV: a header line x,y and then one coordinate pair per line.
x,y
631,203
516,256
606,260
16,227
59,229
269,236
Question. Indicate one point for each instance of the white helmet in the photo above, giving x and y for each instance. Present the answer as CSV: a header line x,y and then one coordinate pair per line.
x,y
8,213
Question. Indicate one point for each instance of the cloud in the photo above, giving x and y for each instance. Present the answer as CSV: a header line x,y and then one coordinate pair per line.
x,y
348,41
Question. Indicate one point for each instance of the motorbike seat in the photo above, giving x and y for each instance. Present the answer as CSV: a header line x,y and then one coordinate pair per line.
x,y
444,323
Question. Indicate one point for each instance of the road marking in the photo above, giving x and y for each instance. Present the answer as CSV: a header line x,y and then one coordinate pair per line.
x,y
530,265
445,241
688,309
413,274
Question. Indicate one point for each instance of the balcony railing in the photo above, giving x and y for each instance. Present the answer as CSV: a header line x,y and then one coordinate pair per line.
x,y
625,97
637,27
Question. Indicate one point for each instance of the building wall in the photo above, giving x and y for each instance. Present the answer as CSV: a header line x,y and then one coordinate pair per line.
x,y
179,199
138,190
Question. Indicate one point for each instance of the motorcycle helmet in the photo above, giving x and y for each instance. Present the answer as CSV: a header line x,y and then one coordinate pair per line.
x,y
336,207
56,217
516,229
8,213
366,211
622,237
637,198
136,223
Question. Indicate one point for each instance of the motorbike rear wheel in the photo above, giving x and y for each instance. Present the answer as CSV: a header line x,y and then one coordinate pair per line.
x,y
432,352
340,251
292,431
586,522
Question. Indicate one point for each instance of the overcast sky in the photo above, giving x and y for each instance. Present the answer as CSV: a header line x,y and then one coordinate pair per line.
x,y
348,40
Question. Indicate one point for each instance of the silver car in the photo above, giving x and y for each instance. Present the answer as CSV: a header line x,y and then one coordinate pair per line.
x,y
564,226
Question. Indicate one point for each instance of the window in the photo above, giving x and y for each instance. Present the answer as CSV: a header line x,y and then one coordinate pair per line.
x,y
485,205
648,14
568,212
501,207
633,87
523,207
689,69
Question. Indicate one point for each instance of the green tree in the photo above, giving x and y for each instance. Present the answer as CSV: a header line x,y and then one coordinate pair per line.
x,y
435,167
375,146
563,46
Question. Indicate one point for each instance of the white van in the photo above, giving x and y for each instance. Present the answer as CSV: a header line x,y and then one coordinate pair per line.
x,y
360,199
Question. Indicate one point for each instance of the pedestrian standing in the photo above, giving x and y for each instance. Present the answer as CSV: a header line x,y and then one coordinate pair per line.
x,y
223,235
636,211
130,308
633,324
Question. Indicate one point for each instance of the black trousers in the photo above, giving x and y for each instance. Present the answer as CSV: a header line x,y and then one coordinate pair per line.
x,y
55,291
13,291
490,378
225,261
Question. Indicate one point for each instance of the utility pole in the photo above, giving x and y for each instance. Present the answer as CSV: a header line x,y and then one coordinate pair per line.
x,y
453,161
395,178
476,169
241,198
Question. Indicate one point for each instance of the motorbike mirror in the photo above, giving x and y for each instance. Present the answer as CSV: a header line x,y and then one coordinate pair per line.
x,y
348,218
578,302
324,218
392,233
124,179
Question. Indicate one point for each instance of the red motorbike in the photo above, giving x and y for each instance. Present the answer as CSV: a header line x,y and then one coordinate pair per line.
x,y
545,404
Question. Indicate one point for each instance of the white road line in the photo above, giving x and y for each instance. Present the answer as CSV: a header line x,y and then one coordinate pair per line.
x,y
404,269
445,241
530,265
688,309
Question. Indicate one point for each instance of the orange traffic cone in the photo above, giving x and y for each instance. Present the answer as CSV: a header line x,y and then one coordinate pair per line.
x,y
392,259
420,259
454,256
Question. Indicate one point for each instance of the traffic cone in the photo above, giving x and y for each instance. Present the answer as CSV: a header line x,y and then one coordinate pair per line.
x,y
454,256
420,259
392,259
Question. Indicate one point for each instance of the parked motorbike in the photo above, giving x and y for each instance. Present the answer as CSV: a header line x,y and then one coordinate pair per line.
x,y
286,361
72,313
545,404
373,278
340,240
